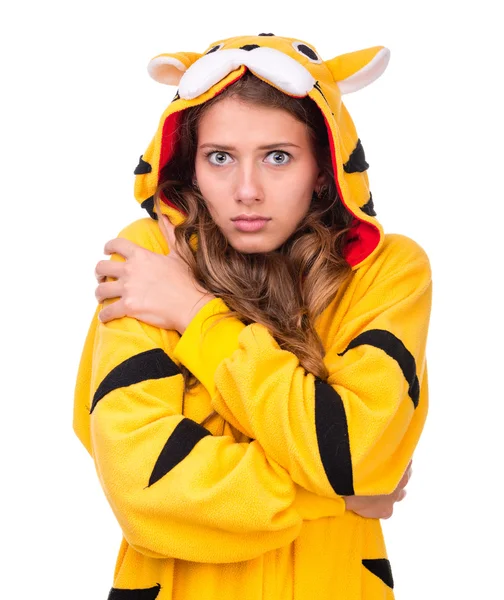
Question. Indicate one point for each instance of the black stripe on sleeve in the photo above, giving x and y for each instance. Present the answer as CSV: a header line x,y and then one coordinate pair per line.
x,y
356,162
332,437
152,364
393,346
139,594
183,439
381,568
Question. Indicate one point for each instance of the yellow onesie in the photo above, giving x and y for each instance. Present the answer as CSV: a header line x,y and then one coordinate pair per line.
x,y
250,507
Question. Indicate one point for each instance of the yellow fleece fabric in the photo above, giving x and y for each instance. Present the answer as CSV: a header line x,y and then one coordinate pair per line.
x,y
250,506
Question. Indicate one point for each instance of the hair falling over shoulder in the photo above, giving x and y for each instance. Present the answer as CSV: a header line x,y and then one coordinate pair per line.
x,y
287,289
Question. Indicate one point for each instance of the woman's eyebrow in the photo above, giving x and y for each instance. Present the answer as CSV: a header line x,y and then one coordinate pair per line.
x,y
267,147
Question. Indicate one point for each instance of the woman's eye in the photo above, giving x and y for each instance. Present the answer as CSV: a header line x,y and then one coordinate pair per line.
x,y
279,157
217,158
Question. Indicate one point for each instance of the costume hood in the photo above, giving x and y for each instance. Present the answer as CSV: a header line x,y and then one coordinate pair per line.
x,y
296,68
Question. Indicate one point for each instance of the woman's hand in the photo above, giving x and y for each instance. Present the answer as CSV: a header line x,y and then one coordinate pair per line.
x,y
379,507
154,288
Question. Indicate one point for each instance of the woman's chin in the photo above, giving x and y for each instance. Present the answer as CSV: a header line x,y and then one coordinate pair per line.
x,y
253,243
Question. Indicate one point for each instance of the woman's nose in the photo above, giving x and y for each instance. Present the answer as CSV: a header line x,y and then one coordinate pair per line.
x,y
249,189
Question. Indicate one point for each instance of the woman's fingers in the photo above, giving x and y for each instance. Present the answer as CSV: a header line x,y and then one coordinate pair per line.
x,y
108,268
120,246
404,481
406,477
115,310
380,506
108,289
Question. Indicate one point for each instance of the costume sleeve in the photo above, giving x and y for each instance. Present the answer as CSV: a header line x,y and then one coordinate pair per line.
x,y
355,433
175,489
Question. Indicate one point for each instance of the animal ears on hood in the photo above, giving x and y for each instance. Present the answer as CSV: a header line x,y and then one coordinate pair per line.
x,y
351,71
355,70
169,68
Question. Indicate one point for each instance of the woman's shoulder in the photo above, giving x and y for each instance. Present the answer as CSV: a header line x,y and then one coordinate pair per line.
x,y
398,251
146,233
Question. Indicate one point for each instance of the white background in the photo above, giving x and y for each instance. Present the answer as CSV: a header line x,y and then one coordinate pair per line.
x,y
78,109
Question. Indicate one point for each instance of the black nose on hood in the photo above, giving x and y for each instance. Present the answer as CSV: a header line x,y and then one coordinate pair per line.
x,y
249,47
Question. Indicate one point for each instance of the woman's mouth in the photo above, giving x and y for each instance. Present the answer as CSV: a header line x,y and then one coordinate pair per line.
x,y
250,225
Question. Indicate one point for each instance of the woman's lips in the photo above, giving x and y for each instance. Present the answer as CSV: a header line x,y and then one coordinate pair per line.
x,y
250,225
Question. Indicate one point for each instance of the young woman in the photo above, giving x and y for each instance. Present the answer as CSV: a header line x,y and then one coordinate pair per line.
x,y
254,382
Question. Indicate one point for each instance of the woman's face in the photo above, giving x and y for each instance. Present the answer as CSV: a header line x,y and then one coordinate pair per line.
x,y
256,170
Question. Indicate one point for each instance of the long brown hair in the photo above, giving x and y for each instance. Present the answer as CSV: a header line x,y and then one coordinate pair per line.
x,y
285,289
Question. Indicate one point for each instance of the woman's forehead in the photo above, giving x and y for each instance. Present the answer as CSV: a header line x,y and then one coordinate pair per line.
x,y
233,119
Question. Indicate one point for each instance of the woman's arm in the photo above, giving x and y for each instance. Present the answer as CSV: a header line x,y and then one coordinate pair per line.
x,y
379,506
354,434
175,489
142,288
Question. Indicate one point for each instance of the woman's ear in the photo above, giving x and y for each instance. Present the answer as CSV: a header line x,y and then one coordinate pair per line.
x,y
321,181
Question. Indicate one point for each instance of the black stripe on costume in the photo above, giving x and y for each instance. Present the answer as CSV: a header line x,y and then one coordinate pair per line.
x,y
179,445
381,568
143,167
143,594
332,437
391,345
152,364
368,208
356,162
149,207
